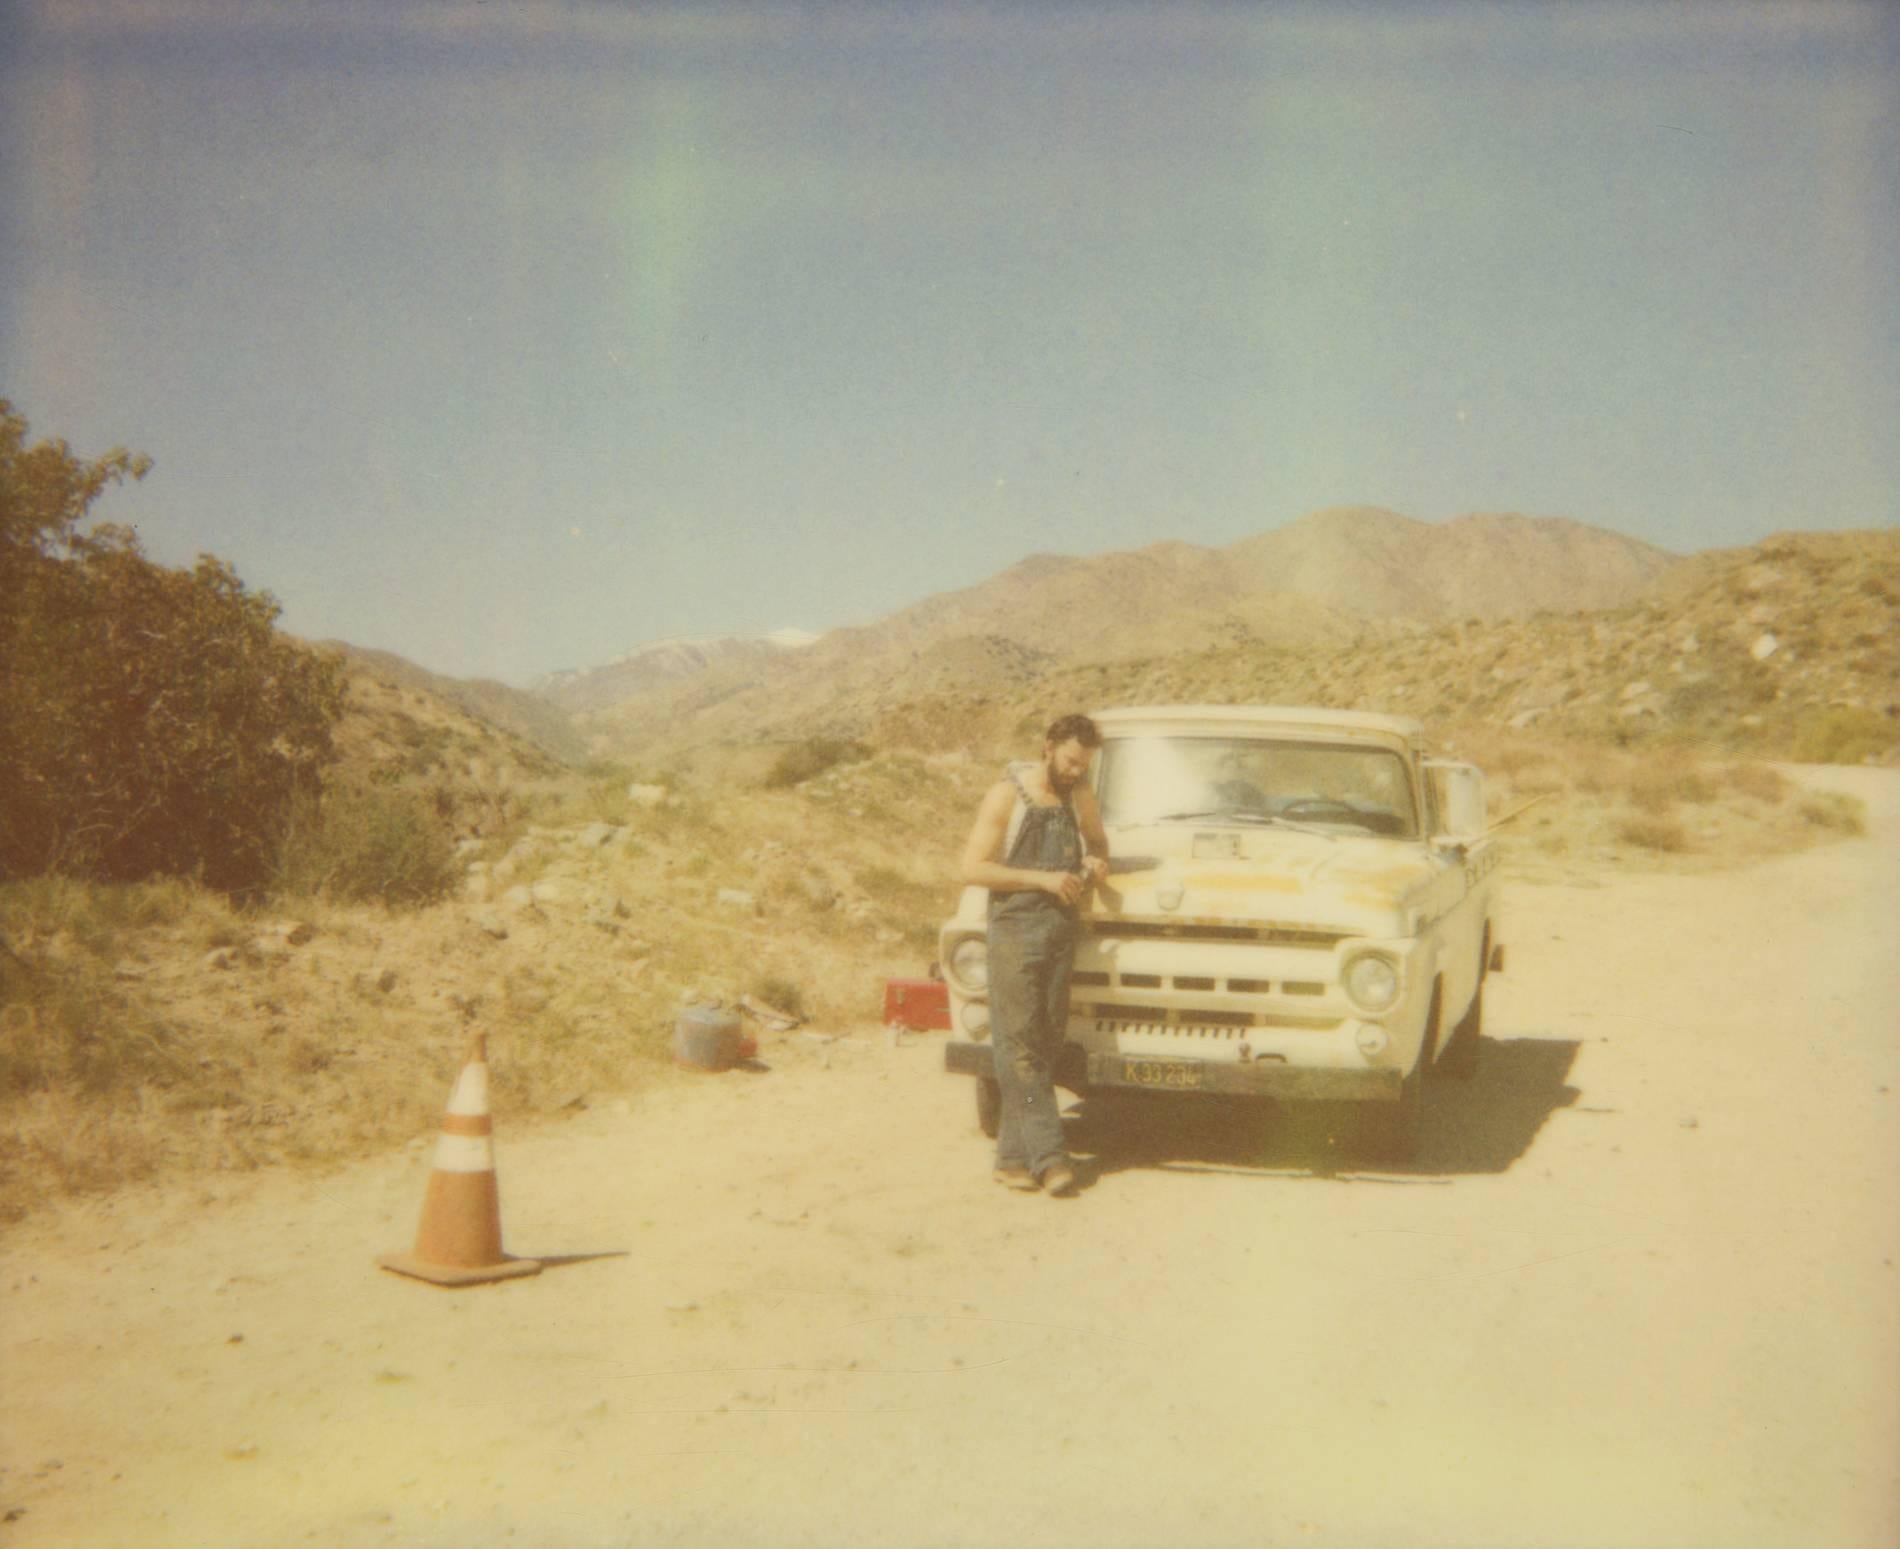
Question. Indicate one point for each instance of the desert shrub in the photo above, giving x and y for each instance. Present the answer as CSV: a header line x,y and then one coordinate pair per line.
x,y
1652,796
607,801
1700,700
1694,786
95,915
1539,780
1593,771
1653,833
142,905
156,722
1759,781
579,798
67,1023
913,908
1656,787
1840,735
426,749
802,760
685,817
363,842
1832,811
1502,755
780,993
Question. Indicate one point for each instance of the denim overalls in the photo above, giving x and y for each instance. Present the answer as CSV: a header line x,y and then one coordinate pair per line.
x,y
1032,944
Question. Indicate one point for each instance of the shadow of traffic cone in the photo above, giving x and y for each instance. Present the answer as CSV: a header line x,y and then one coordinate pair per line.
x,y
459,1240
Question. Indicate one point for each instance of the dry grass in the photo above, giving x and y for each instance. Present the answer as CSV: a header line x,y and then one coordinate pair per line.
x,y
1659,781
1664,834
125,1054
1671,807
1841,735
1758,781
1831,812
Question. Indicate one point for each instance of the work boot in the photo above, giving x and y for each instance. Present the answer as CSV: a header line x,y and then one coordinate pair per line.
x,y
1058,1178
1016,1178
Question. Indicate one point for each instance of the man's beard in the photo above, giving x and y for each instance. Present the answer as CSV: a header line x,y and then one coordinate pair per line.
x,y
1058,782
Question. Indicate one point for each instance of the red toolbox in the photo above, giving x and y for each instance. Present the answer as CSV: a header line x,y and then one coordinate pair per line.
x,y
917,1005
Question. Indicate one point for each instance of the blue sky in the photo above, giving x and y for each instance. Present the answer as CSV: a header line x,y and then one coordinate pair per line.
x,y
508,336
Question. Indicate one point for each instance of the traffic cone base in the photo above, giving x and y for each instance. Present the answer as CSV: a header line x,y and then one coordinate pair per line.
x,y
447,1274
459,1239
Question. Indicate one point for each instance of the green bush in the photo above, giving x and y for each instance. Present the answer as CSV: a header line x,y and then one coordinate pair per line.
x,y
361,842
813,756
152,721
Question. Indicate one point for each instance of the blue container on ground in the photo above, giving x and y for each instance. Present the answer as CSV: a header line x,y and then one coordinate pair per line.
x,y
707,1038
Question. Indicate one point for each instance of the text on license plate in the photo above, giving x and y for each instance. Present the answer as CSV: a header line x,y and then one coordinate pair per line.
x,y
1182,1075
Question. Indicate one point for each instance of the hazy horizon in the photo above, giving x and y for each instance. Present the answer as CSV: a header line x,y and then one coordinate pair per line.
x,y
510,337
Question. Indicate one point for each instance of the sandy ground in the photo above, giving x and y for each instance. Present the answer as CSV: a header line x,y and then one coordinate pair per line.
x,y
1640,1289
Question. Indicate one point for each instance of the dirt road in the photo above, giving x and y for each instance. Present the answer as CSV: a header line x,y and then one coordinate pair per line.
x,y
1639,1290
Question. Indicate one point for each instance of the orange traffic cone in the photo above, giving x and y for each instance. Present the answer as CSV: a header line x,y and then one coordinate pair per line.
x,y
459,1240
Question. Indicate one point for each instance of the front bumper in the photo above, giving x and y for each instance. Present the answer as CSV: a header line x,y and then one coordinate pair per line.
x,y
1081,1071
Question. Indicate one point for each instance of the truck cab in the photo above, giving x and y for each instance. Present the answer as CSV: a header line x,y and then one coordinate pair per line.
x,y
1302,906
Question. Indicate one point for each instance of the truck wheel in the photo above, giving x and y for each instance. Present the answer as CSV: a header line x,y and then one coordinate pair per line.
x,y
1392,1130
989,1106
1461,1054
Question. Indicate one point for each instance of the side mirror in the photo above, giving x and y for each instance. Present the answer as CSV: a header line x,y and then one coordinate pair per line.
x,y
1457,792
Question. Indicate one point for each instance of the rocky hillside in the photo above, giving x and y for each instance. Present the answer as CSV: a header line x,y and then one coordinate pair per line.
x,y
1326,582
529,717
1383,565
656,666
401,724
1788,648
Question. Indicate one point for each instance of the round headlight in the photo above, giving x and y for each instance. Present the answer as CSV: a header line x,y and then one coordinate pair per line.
x,y
1373,982
975,1017
970,964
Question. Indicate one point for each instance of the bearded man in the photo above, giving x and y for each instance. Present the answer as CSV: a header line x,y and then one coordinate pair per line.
x,y
1037,845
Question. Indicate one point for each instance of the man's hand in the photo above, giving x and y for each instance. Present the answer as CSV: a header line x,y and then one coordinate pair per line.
x,y
1065,885
1095,870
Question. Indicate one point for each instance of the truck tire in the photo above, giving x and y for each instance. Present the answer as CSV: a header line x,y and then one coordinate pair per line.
x,y
1461,1054
1391,1130
989,1106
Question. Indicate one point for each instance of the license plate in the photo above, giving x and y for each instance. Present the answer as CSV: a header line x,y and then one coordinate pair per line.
x,y
1176,1075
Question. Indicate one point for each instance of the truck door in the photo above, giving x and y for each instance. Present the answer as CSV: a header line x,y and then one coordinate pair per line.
x,y
1456,804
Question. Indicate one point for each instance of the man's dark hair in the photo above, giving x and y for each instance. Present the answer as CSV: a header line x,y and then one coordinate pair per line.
x,y
1074,728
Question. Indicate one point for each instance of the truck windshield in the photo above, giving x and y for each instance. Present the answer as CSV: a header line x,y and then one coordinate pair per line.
x,y
1340,787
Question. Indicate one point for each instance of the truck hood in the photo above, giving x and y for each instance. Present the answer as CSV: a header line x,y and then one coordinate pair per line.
x,y
1353,884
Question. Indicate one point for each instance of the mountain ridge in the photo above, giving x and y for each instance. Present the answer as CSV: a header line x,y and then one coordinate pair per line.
x,y
1484,617
1325,579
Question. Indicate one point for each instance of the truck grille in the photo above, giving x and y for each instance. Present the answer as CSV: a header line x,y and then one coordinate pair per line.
x,y
1263,934
1193,1021
1233,980
1196,984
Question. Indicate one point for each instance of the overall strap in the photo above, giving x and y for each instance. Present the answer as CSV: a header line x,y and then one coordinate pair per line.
x,y
1017,813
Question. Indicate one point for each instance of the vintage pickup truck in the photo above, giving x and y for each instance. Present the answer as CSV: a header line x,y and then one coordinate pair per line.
x,y
1302,907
